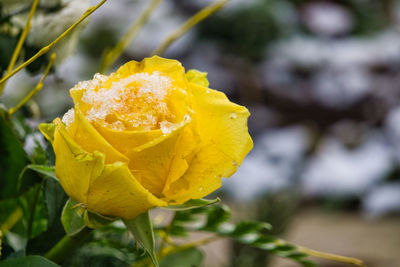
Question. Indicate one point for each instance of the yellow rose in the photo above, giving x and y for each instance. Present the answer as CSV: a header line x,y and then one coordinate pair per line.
x,y
147,136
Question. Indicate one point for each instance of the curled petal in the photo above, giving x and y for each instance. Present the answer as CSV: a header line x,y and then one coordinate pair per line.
x,y
75,168
123,141
109,189
117,193
225,141
151,162
183,149
171,67
197,77
90,140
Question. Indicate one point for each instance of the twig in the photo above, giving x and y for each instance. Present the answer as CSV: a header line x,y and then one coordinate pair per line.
x,y
37,88
11,221
332,257
47,48
187,25
21,41
113,54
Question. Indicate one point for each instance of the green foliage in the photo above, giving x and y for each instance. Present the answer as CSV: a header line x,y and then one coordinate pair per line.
x,y
49,171
108,246
31,261
13,159
191,257
54,198
7,45
216,219
31,198
194,203
25,216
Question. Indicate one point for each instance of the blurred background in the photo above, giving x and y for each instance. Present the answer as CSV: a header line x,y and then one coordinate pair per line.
x,y
320,78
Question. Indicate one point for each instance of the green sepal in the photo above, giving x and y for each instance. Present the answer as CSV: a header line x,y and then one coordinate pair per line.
x,y
142,230
194,204
72,217
95,220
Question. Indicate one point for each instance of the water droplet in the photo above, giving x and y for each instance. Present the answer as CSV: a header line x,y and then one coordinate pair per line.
x,y
207,91
233,115
201,189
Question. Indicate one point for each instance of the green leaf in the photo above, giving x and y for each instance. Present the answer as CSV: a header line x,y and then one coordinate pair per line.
x,y
35,211
248,227
250,233
191,257
31,261
49,171
98,255
13,159
95,220
108,246
72,221
28,178
55,199
142,230
193,204
216,217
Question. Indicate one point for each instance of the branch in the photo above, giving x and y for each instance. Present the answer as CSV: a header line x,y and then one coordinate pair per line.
x,y
187,25
21,41
35,90
47,48
331,257
113,54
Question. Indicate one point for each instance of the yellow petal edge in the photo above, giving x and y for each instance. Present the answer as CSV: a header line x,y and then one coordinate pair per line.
x,y
109,189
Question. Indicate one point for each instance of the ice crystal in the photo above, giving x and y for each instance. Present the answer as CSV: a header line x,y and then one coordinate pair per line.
x,y
136,102
68,117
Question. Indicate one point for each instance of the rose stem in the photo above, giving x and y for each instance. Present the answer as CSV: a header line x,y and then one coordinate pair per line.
x,y
67,244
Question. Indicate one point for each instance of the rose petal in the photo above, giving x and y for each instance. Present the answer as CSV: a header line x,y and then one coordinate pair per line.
x,y
90,139
179,165
124,141
171,67
197,77
75,168
225,141
109,189
117,193
151,162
